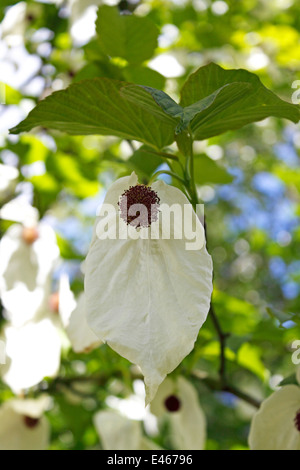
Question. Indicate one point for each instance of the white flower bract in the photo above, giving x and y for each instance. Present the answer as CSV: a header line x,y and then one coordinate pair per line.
x,y
273,427
188,424
82,338
148,298
120,433
25,272
14,434
32,353
117,432
8,180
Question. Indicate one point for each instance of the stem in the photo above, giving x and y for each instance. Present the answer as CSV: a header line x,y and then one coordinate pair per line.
x,y
166,155
217,386
190,174
243,396
222,339
58,384
165,172
222,385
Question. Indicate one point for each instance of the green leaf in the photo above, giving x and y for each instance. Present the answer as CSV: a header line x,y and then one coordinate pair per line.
x,y
257,104
142,75
98,69
97,107
236,316
12,96
168,105
226,94
157,102
282,317
290,380
290,176
144,162
184,143
207,171
133,38
66,249
132,73
71,175
213,104
45,184
248,356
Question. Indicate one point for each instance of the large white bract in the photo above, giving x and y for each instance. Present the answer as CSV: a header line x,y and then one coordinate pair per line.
x,y
148,298
8,180
117,432
23,426
276,426
177,402
32,353
26,270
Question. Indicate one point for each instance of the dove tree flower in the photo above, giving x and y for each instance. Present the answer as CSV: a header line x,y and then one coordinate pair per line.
x,y
73,317
19,210
2,352
133,407
32,353
147,295
82,338
28,256
63,301
23,425
117,432
276,425
177,402
8,180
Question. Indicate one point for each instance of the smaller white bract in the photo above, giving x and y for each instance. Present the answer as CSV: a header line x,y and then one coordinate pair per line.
x,y
2,352
177,402
82,338
23,426
8,178
147,297
28,257
73,316
276,426
120,433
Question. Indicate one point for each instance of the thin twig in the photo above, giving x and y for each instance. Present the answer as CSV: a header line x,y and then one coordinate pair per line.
x,y
217,386
222,339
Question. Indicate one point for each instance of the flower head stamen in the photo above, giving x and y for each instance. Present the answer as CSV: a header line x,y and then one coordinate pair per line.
x,y
139,206
30,235
54,302
297,420
172,403
30,422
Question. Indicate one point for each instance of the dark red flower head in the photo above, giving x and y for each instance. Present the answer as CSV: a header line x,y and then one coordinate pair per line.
x,y
139,206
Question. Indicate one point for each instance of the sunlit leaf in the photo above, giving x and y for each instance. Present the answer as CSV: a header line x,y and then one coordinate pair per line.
x,y
257,104
97,107
229,93
133,38
281,316
144,162
249,356
208,171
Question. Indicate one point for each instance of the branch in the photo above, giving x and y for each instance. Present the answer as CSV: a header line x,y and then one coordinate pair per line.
x,y
222,338
218,386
